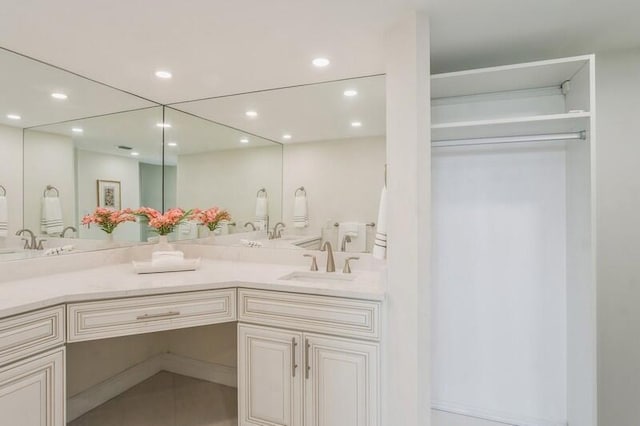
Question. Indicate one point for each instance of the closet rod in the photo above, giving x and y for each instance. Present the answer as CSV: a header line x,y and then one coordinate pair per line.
x,y
511,139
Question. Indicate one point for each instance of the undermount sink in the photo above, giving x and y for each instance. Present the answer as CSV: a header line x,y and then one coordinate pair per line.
x,y
317,277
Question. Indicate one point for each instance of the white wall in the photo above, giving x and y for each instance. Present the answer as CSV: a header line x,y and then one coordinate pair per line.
x,y
618,237
48,160
11,173
91,167
342,178
230,179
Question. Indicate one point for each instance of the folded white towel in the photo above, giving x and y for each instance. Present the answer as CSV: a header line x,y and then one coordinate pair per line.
x,y
358,234
380,245
300,211
262,213
51,222
4,217
167,258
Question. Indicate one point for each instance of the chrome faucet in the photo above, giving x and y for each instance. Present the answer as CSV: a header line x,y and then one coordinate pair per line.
x,y
68,228
253,227
277,233
31,243
331,264
346,239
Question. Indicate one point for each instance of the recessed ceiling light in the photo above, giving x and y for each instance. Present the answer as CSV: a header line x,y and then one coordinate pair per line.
x,y
244,140
13,117
59,96
77,130
135,154
320,62
165,125
163,74
356,124
350,92
251,113
286,136
172,143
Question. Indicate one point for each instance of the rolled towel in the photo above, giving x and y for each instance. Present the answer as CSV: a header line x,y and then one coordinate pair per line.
x,y
4,216
262,212
380,244
358,234
51,222
300,211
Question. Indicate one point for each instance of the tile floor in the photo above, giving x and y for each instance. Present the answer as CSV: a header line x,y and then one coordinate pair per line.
x,y
167,399
442,418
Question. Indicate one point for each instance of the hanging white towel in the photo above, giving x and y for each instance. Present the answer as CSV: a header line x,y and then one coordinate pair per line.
x,y
4,217
51,222
300,211
358,234
380,244
262,213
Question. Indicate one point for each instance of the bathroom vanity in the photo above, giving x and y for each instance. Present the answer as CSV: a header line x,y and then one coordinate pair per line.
x,y
308,344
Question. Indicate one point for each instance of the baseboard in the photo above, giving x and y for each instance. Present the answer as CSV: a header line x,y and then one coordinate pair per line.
x,y
493,416
215,373
102,392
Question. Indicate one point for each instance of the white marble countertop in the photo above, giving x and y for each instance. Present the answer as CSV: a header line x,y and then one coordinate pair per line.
x,y
120,280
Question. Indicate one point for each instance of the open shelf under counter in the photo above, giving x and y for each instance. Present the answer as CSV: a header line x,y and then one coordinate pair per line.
x,y
507,78
515,126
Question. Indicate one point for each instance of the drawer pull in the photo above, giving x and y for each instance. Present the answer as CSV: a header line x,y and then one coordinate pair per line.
x,y
162,315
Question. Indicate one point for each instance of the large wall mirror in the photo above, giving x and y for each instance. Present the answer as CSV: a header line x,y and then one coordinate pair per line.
x,y
332,138
47,141
309,159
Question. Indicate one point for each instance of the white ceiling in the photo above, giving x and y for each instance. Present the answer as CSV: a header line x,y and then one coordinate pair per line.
x,y
217,47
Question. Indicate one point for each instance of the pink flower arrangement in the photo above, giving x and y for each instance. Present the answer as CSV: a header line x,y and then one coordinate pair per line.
x,y
211,218
107,219
166,223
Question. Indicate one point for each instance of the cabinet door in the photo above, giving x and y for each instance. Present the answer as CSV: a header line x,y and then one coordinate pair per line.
x,y
342,387
32,391
270,376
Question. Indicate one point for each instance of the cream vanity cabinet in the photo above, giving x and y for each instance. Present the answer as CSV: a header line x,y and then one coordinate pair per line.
x,y
307,360
32,378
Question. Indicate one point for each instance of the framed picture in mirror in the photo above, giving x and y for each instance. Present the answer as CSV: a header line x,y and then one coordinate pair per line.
x,y
109,194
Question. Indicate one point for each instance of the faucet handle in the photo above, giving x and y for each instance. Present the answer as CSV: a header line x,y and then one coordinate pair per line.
x,y
347,266
314,263
27,244
40,246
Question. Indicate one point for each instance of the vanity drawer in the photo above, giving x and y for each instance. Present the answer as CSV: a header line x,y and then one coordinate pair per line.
x,y
323,314
27,334
137,315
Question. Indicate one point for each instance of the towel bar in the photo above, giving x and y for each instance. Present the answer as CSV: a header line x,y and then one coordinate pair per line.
x,y
372,224
51,188
300,189
260,191
4,190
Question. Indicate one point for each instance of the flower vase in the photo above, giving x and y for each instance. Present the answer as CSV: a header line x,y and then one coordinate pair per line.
x,y
109,240
163,244
208,236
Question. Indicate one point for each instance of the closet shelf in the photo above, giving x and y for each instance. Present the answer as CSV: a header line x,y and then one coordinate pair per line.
x,y
553,123
507,78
